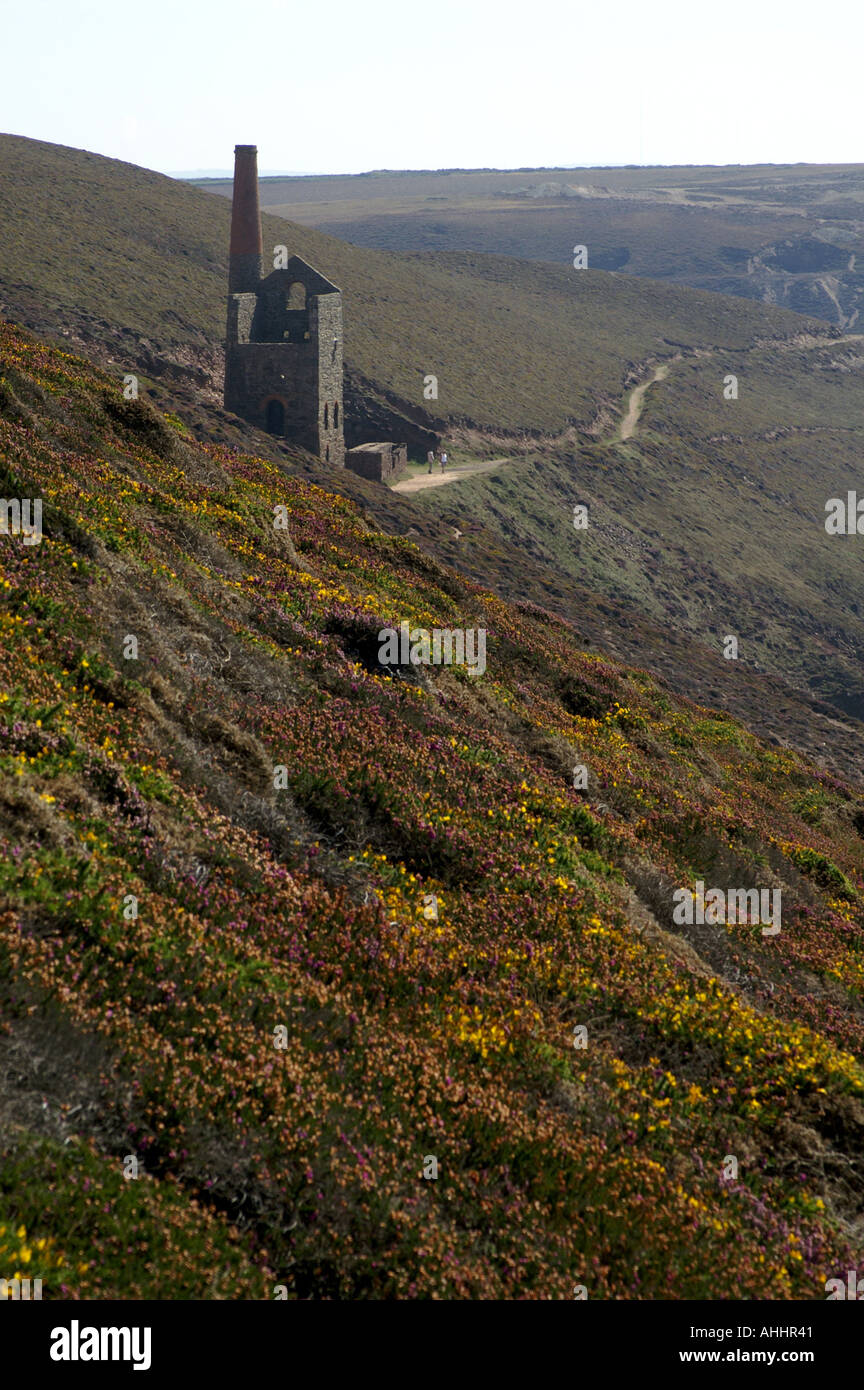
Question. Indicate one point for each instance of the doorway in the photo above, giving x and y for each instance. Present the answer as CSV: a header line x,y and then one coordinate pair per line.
x,y
275,417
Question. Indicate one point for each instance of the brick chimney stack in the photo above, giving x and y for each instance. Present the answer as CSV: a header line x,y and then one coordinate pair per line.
x,y
244,260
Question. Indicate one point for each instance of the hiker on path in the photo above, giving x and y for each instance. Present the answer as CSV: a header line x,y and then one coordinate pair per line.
x,y
430,459
443,459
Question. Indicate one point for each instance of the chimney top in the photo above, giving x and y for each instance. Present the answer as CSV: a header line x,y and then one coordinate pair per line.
x,y
246,248
245,212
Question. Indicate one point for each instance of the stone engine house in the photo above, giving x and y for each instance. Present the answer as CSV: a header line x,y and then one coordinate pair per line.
x,y
283,349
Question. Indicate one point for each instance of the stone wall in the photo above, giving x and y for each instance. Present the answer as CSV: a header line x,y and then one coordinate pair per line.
x,y
256,373
368,416
325,322
381,462
241,312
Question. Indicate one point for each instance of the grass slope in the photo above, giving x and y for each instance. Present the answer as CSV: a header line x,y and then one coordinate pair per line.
x,y
787,235
711,518
513,344
137,262
218,957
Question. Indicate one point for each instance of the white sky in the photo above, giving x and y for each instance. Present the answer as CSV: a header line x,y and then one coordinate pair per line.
x,y
437,83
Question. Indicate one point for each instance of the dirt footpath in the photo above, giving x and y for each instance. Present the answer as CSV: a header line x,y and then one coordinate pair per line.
x,y
420,481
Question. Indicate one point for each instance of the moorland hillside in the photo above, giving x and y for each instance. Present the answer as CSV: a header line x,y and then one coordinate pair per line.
x,y
289,933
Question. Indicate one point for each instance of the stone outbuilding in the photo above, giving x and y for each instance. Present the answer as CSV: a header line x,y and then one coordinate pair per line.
x,y
382,462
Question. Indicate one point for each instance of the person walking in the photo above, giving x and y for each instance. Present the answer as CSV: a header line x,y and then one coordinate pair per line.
x,y
430,459
443,459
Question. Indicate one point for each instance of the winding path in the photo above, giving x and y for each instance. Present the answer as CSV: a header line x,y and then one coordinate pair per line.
x,y
629,421
637,398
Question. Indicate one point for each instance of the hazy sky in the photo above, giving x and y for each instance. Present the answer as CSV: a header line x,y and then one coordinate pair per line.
x,y
348,85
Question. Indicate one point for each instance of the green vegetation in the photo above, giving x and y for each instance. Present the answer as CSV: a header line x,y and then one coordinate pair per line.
x,y
709,521
518,346
240,979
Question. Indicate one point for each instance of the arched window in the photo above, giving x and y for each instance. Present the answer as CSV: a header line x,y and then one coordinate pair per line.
x,y
296,296
326,417
335,415
275,417
327,454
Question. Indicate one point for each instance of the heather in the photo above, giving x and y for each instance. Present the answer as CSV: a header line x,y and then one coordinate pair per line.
x,y
289,923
